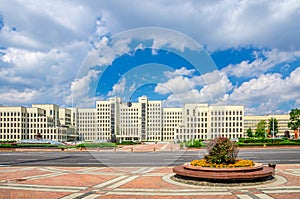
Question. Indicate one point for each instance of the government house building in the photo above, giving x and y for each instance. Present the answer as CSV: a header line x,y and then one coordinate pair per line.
x,y
144,120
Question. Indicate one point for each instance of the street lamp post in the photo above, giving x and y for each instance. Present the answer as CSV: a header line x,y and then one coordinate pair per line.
x,y
273,129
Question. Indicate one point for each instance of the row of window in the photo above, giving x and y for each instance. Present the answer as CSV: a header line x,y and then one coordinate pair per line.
x,y
226,118
17,114
227,130
227,124
227,113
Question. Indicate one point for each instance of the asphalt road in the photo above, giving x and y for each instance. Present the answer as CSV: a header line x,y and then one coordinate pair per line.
x,y
137,159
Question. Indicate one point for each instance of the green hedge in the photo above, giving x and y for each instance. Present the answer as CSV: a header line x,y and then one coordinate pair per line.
x,y
95,145
189,144
260,140
128,143
36,145
267,140
7,146
269,144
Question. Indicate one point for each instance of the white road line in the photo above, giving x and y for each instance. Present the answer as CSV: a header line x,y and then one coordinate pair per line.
x,y
27,159
83,163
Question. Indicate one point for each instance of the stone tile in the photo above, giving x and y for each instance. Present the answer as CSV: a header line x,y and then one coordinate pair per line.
x,y
162,170
149,182
72,180
14,175
285,195
292,180
166,197
20,194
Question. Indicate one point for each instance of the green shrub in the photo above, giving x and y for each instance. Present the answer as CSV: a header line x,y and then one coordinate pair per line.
x,y
128,143
250,144
221,151
7,146
196,144
95,145
36,145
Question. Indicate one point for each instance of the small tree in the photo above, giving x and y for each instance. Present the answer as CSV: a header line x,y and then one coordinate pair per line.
x,y
249,132
261,129
294,123
221,151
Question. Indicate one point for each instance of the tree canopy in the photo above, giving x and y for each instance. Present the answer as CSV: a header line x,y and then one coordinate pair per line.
x,y
294,119
249,132
261,129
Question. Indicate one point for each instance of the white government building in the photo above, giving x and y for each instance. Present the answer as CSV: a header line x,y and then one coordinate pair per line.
x,y
145,120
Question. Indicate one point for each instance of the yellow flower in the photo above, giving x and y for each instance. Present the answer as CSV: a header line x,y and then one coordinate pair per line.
x,y
238,163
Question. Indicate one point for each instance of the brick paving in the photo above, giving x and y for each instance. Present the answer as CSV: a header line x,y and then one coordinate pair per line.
x,y
134,182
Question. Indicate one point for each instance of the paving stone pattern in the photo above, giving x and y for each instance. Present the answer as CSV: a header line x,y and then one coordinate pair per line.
x,y
132,182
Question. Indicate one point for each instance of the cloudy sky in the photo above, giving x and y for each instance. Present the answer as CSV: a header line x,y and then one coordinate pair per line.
x,y
72,53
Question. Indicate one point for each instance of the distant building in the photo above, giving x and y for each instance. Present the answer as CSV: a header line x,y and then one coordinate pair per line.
x,y
144,120
201,121
39,121
251,121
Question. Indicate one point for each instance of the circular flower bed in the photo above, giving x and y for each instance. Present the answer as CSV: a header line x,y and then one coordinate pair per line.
x,y
221,165
238,163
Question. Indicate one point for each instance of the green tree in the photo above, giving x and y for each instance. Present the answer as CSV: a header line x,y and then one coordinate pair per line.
x,y
270,127
249,132
261,129
294,119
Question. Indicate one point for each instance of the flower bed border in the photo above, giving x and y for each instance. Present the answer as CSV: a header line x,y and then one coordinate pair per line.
x,y
226,175
256,167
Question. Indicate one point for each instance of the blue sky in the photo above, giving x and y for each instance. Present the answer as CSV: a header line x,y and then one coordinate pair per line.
x,y
72,53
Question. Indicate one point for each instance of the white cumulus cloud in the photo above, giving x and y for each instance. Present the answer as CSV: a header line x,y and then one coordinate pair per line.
x,y
268,92
261,64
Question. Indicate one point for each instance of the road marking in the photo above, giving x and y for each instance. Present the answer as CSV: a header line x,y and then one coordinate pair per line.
x,y
27,159
84,163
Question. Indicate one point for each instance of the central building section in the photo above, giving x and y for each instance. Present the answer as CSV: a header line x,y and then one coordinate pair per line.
x,y
147,120
140,121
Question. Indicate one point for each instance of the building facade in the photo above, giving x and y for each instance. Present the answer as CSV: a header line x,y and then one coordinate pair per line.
x,y
251,122
144,120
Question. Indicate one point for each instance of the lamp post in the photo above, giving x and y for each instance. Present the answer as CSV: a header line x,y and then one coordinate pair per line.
x,y
273,129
